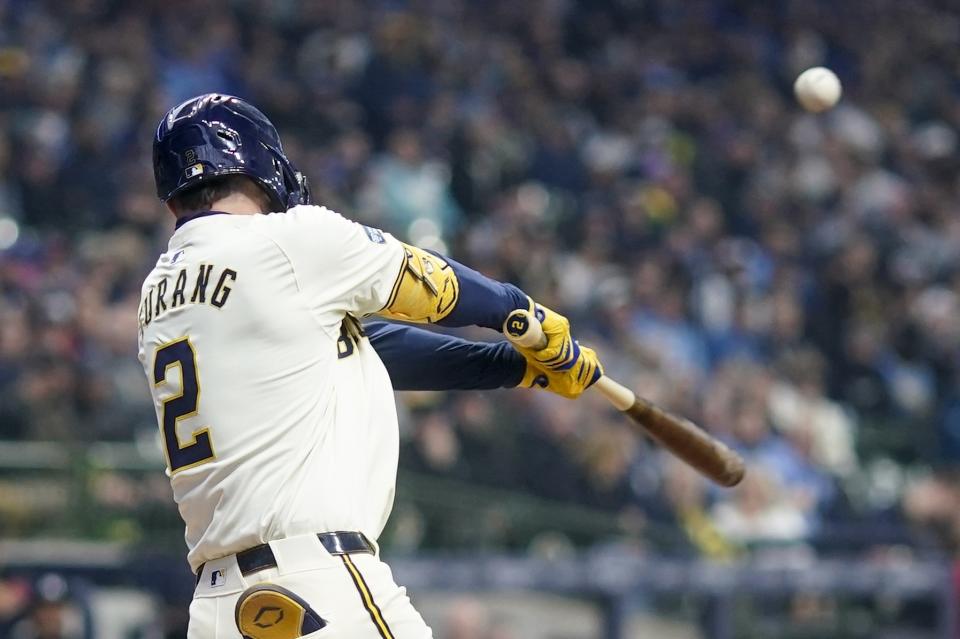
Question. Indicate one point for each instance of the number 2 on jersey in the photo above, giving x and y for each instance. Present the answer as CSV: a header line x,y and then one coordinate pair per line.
x,y
180,353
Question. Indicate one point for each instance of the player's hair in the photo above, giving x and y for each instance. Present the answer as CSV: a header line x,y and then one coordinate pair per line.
x,y
202,196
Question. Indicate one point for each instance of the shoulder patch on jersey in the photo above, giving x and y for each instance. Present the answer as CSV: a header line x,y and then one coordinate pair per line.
x,y
375,235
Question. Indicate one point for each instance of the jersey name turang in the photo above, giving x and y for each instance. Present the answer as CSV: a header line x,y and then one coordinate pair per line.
x,y
189,286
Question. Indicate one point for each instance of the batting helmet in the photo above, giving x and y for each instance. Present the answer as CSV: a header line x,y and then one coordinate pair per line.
x,y
214,135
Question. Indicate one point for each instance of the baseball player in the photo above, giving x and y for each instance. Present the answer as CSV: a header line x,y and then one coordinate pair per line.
x,y
275,403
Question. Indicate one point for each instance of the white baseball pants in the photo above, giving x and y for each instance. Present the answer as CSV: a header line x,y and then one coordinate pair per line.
x,y
355,594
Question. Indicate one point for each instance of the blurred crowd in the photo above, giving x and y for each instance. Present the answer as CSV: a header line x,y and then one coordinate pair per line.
x,y
790,281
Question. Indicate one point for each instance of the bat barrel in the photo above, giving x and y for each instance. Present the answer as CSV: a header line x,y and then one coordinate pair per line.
x,y
686,440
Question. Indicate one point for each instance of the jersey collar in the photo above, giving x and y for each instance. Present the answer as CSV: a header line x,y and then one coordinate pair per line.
x,y
199,214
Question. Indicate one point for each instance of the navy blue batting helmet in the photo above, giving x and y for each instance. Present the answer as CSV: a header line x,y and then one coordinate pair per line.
x,y
214,135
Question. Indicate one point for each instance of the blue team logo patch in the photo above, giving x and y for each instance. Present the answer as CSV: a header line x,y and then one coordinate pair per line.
x,y
375,235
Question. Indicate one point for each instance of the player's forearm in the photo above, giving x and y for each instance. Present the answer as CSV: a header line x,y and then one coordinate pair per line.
x,y
417,359
483,301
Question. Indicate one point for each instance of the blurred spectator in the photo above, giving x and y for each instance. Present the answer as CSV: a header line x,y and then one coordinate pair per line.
x,y
51,613
411,194
435,447
934,504
798,404
468,619
606,453
14,595
687,509
759,512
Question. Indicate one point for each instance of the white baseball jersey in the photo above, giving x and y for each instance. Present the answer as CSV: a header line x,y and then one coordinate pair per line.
x,y
276,415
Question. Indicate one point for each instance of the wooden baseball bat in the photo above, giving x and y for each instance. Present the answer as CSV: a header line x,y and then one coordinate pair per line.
x,y
680,436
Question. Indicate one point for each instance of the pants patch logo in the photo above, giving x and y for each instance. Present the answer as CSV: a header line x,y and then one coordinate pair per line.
x,y
268,616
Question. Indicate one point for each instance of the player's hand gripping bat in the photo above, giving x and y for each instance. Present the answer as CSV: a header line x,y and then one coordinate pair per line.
x,y
680,436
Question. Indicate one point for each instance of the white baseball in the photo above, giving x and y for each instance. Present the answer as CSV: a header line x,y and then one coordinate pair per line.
x,y
817,89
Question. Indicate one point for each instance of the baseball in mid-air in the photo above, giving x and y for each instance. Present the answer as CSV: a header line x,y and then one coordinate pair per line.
x,y
817,89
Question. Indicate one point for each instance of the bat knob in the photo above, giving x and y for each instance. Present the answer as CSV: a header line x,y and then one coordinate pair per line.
x,y
517,324
523,329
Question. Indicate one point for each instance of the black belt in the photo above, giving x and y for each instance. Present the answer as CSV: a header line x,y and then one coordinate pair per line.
x,y
337,543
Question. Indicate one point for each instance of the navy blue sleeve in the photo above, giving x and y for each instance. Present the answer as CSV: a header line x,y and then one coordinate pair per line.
x,y
483,301
417,359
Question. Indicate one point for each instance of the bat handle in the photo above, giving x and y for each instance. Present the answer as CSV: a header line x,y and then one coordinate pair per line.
x,y
619,395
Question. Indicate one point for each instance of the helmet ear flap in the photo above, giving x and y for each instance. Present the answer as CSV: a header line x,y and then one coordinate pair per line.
x,y
302,191
298,189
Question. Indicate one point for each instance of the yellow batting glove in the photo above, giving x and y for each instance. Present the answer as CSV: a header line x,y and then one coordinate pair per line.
x,y
567,383
561,351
